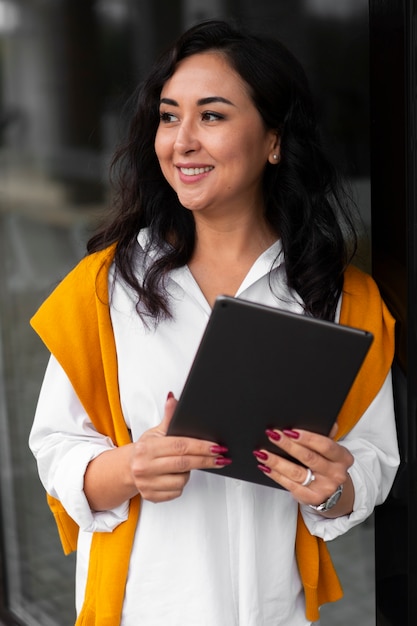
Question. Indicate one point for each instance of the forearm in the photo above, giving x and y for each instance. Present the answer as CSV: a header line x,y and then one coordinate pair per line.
x,y
108,480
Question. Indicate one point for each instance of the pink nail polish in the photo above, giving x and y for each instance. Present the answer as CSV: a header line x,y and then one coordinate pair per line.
x,y
219,449
264,469
222,461
261,456
291,433
272,434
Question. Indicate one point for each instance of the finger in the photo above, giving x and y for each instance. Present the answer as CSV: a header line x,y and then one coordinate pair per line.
x,y
334,430
151,446
283,469
177,454
308,447
297,479
287,480
160,496
172,445
162,488
314,493
170,405
293,478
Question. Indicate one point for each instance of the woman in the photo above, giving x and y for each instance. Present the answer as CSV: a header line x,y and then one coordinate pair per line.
x,y
222,189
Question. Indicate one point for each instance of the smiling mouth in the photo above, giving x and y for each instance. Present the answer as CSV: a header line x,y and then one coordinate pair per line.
x,y
194,171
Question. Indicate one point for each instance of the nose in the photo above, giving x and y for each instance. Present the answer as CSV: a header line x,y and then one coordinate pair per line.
x,y
186,139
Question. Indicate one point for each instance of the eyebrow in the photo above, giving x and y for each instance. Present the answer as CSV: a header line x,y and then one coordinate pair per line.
x,y
201,102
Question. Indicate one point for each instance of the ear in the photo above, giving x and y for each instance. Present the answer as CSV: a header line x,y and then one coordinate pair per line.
x,y
275,152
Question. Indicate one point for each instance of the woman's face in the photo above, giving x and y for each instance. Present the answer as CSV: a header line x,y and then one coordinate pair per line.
x,y
211,143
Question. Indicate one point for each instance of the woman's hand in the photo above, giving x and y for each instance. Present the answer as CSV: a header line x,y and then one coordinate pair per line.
x,y
327,460
156,466
161,464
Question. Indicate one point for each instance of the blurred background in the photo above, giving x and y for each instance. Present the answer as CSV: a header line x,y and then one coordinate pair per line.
x,y
66,70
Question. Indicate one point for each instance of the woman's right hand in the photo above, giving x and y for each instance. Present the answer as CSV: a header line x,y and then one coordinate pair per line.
x,y
161,464
156,466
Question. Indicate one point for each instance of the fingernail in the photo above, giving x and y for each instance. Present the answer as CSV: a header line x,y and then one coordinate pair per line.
x,y
222,461
291,433
272,434
170,395
261,456
219,449
264,468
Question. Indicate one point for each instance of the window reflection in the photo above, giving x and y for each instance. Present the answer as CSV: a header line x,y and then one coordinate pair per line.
x,y
342,9
9,17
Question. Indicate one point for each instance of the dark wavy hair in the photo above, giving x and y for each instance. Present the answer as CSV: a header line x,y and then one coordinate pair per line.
x,y
304,200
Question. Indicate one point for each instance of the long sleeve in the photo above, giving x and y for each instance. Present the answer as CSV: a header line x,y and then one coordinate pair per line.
x,y
64,441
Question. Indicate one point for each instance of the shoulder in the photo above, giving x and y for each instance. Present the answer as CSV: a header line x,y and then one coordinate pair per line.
x,y
364,308
88,272
91,267
362,303
357,282
75,294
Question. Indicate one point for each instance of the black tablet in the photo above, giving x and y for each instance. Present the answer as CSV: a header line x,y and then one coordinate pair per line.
x,y
258,367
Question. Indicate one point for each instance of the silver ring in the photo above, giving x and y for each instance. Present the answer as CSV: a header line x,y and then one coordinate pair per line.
x,y
309,478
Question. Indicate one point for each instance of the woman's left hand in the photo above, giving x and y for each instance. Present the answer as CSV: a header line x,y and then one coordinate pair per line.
x,y
327,460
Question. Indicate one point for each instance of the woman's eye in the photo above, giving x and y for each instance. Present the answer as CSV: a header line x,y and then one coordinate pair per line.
x,y
209,116
167,117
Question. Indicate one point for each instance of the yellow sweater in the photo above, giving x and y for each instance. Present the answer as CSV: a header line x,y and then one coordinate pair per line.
x,y
75,325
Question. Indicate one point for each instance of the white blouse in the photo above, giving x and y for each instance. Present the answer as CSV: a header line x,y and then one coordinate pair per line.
x,y
223,553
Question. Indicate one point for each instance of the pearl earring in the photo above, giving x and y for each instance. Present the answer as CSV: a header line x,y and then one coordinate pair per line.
x,y
275,157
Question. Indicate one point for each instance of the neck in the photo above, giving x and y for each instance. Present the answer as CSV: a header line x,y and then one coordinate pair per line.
x,y
224,253
236,238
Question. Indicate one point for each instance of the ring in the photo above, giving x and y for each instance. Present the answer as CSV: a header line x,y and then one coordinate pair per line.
x,y
309,478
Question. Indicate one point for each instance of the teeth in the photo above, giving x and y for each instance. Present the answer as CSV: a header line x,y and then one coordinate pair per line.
x,y
193,171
